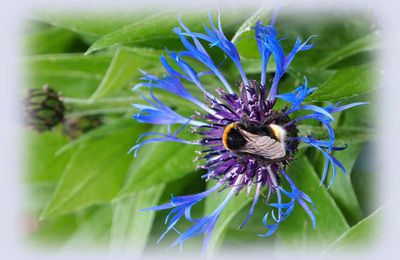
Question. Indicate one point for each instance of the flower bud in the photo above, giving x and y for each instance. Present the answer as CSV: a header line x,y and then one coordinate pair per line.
x,y
44,108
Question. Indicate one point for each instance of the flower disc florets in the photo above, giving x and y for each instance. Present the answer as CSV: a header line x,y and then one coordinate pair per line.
x,y
252,111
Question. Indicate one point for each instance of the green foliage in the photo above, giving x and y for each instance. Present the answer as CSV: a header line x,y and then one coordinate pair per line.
x,y
346,83
226,216
130,232
297,230
360,235
342,189
247,25
89,171
42,148
88,191
120,71
75,75
363,44
95,24
343,134
150,30
160,163
153,31
49,40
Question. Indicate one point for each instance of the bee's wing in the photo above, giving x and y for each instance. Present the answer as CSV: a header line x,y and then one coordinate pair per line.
x,y
264,146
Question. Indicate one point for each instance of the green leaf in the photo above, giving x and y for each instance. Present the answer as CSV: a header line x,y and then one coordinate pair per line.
x,y
297,229
345,29
51,40
346,83
121,104
247,25
314,76
343,134
93,229
253,65
156,29
73,75
102,132
342,189
38,194
359,236
361,116
229,212
95,173
364,44
333,32
43,165
160,162
247,47
90,23
131,227
122,70
53,233
364,179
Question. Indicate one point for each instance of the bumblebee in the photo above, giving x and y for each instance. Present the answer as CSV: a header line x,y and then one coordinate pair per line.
x,y
267,142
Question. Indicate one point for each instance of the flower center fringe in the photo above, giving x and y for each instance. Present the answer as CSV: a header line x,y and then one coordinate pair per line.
x,y
250,109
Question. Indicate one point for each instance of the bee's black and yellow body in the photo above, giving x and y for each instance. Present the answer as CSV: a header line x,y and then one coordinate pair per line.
x,y
267,141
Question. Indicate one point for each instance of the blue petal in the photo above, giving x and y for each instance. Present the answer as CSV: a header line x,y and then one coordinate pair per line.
x,y
328,157
285,209
337,109
182,206
298,46
190,72
261,32
258,190
159,113
317,110
172,83
197,52
170,137
272,228
268,43
297,97
216,37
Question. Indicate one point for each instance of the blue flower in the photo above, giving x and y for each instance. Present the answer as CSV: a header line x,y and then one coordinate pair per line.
x,y
251,113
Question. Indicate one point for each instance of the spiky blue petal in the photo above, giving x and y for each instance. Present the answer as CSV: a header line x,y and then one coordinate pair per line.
x,y
161,137
268,44
198,52
182,205
297,97
285,209
325,148
159,113
173,84
216,37
260,32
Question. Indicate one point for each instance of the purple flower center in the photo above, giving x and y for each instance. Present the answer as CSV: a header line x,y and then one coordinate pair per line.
x,y
240,138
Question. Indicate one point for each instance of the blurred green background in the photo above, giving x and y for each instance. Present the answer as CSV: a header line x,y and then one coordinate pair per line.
x,y
84,190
